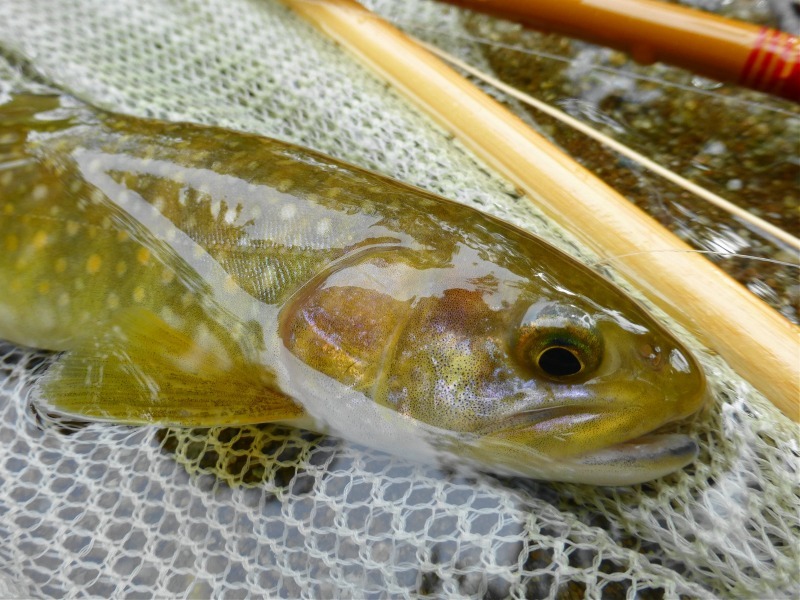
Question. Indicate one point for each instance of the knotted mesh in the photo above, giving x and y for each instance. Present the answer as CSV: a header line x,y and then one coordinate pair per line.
x,y
110,511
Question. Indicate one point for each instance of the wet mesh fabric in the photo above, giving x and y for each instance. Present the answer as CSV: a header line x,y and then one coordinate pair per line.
x,y
109,511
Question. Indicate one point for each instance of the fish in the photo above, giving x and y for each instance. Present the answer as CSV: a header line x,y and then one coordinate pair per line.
x,y
190,275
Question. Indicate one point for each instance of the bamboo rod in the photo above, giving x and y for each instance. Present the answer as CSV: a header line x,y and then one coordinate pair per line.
x,y
756,341
724,49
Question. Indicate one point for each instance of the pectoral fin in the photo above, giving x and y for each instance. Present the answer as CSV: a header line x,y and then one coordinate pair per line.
x,y
145,371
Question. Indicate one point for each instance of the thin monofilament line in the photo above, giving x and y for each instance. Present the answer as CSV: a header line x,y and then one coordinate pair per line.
x,y
409,25
738,212
602,68
782,263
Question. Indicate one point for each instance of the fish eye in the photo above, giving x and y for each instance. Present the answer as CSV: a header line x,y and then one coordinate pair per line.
x,y
558,361
559,342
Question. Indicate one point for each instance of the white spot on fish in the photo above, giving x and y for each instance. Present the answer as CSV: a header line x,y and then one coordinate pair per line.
x,y
170,318
117,330
39,192
230,216
288,211
96,166
324,226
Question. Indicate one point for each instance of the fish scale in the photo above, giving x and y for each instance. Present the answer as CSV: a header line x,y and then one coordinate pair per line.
x,y
51,209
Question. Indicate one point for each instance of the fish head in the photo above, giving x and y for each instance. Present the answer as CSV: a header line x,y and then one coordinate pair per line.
x,y
559,386
556,374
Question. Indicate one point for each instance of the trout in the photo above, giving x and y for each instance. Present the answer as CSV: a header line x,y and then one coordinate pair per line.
x,y
195,276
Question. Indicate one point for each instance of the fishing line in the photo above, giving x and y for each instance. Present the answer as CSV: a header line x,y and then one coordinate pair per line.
x,y
691,324
699,191
764,227
406,25
783,263
600,68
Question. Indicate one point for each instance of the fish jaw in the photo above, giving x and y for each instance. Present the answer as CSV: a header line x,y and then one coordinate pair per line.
x,y
635,461
617,438
632,462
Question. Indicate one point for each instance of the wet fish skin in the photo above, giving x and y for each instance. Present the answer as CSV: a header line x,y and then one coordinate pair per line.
x,y
200,276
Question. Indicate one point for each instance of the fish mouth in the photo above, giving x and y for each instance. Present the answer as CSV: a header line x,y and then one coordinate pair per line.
x,y
634,461
638,459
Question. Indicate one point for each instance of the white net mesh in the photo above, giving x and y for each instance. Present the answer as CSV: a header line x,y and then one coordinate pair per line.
x,y
100,510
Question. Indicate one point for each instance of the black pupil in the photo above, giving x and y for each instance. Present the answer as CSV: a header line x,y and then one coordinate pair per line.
x,y
559,362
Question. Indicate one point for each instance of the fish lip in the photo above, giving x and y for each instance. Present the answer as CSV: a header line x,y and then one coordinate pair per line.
x,y
650,446
539,415
653,438
636,461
